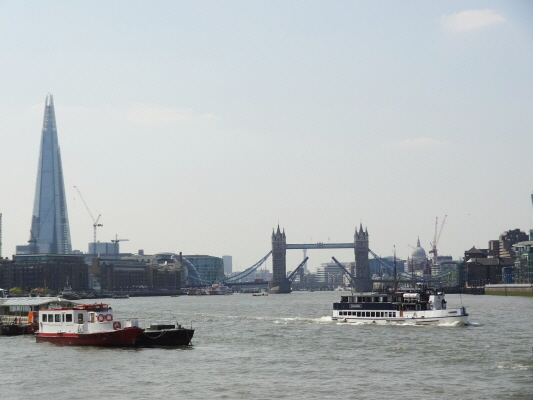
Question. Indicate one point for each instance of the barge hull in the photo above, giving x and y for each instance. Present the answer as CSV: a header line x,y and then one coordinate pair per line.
x,y
167,337
120,338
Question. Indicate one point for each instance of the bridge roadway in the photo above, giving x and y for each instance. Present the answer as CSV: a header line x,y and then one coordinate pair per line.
x,y
321,246
248,285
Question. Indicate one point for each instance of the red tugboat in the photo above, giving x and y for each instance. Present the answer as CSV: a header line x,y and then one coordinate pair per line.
x,y
86,325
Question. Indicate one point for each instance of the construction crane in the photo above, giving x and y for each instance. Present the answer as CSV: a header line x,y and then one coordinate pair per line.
x,y
116,240
95,221
436,239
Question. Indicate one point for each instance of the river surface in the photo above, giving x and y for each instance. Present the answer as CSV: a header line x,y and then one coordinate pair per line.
x,y
283,347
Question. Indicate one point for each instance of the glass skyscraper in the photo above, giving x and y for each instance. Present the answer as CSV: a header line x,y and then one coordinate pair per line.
x,y
50,233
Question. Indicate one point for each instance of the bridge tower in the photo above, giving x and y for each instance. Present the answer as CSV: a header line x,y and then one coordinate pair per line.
x,y
279,283
363,281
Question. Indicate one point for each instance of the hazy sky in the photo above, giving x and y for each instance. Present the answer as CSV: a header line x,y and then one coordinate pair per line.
x,y
198,126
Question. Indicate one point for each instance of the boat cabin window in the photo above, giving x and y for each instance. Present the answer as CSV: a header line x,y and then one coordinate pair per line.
x,y
80,318
69,317
43,318
50,317
58,318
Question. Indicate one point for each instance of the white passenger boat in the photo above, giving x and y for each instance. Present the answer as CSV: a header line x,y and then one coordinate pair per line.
x,y
423,306
218,289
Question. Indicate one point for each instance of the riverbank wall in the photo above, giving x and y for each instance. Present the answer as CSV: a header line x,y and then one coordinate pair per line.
x,y
512,289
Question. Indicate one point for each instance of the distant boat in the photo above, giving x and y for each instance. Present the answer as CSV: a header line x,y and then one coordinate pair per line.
x,y
195,292
342,288
69,294
218,289
121,296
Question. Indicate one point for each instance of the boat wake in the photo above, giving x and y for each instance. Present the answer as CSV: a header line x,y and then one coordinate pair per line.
x,y
321,320
519,366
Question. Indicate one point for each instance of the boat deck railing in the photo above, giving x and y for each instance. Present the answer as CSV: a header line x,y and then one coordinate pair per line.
x,y
13,319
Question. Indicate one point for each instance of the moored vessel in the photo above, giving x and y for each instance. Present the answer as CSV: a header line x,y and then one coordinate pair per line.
x,y
86,325
19,315
166,334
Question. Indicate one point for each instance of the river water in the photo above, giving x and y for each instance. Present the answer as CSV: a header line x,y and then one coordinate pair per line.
x,y
287,346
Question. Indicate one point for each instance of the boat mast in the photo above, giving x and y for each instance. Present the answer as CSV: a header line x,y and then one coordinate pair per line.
x,y
395,288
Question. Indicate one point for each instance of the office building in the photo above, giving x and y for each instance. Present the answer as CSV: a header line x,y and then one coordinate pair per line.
x,y
49,232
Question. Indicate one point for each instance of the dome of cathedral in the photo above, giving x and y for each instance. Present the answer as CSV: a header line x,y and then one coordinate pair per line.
x,y
419,254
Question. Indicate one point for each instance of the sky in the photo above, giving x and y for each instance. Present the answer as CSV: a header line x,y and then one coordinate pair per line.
x,y
199,126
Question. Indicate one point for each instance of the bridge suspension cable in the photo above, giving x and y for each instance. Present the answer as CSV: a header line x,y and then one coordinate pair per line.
x,y
249,270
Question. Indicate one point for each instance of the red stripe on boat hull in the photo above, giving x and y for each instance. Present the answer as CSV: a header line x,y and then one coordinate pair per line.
x,y
123,337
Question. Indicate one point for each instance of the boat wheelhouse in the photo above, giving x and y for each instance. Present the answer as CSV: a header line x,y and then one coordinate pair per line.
x,y
86,324
408,306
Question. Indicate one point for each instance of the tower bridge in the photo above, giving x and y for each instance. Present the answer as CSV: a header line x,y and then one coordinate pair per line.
x,y
281,284
360,271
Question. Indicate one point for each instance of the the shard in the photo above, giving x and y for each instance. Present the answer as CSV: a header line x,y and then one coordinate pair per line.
x,y
50,233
